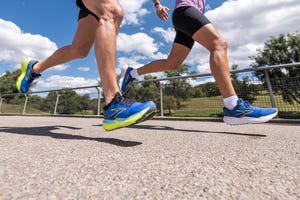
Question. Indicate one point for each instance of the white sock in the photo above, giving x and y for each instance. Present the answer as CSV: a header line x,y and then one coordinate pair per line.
x,y
134,73
230,102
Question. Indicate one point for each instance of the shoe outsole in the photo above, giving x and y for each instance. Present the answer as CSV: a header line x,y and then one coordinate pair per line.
x,y
248,120
148,116
110,125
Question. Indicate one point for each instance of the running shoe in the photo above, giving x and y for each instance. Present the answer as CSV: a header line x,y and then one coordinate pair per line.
x,y
245,113
27,75
123,112
127,78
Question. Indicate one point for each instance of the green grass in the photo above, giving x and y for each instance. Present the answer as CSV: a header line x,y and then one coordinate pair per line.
x,y
18,109
213,107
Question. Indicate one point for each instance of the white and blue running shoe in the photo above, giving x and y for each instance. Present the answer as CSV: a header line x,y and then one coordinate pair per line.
x,y
122,112
245,113
127,79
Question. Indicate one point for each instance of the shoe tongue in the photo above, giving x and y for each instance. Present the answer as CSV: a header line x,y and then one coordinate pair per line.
x,y
118,95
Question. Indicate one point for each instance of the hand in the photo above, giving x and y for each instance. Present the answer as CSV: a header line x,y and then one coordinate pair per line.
x,y
162,12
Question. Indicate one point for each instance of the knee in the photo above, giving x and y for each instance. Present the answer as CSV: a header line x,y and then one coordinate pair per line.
x,y
80,51
118,14
220,44
112,12
172,64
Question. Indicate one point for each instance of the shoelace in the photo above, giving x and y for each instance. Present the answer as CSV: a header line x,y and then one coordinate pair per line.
x,y
124,100
246,104
34,76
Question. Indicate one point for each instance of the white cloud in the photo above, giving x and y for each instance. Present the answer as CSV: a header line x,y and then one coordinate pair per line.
x,y
124,62
204,68
133,11
168,34
139,42
246,25
207,80
83,69
56,81
60,67
17,45
59,82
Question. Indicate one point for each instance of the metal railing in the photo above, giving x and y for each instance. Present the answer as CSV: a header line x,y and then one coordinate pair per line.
x,y
273,100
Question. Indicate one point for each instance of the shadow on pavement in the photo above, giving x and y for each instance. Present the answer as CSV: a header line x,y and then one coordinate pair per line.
x,y
48,132
167,128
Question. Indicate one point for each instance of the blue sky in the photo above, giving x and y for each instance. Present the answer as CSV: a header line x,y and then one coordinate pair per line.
x,y
35,28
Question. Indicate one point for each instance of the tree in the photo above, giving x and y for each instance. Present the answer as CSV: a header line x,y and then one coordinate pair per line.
x,y
210,89
68,103
283,49
145,91
244,88
8,84
169,103
179,88
83,103
49,103
197,91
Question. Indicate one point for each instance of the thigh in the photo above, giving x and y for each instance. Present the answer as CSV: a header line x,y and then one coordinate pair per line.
x,y
84,12
102,7
184,39
178,54
188,20
86,32
207,36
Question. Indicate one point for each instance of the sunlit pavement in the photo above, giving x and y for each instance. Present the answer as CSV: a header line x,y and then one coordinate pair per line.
x,y
74,158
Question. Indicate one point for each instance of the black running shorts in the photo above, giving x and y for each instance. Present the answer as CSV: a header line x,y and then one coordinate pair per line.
x,y
84,11
186,21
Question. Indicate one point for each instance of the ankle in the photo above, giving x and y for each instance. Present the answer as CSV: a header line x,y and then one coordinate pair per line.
x,y
230,102
134,73
35,68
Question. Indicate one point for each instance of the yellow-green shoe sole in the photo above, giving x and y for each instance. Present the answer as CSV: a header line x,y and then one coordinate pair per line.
x,y
23,73
110,125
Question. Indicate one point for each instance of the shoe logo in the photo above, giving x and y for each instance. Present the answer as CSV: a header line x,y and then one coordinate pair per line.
x,y
27,75
242,113
116,111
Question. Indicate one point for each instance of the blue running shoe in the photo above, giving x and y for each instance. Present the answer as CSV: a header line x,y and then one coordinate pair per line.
x,y
127,79
245,113
123,112
27,75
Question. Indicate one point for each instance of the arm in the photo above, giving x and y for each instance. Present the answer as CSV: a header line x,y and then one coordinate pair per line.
x,y
161,11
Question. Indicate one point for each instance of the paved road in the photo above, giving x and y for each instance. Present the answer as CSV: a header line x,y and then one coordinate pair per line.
x,y
74,158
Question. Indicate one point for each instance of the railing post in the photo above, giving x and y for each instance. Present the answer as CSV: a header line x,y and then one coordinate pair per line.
x,y
56,103
161,100
25,104
1,104
268,80
99,101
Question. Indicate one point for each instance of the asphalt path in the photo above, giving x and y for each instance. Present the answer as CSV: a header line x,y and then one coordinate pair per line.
x,y
74,158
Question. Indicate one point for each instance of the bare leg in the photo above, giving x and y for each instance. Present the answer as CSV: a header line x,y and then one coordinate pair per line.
x,y
80,47
176,57
209,37
110,15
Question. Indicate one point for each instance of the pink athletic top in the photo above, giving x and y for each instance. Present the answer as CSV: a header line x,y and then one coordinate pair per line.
x,y
200,4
